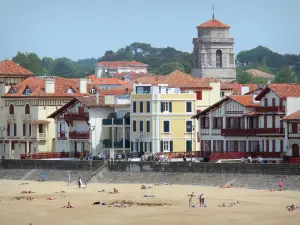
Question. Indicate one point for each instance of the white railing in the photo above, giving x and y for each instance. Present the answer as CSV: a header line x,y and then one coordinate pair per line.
x,y
26,117
42,136
10,117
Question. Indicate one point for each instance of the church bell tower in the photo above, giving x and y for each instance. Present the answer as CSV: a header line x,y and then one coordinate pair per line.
x,y
213,54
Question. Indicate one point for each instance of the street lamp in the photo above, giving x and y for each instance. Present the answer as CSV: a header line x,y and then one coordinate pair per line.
x,y
192,130
2,128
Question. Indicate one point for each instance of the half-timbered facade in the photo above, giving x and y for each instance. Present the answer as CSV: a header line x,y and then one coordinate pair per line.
x,y
92,124
225,126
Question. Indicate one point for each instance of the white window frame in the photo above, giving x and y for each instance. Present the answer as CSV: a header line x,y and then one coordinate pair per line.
x,y
164,126
191,107
166,146
218,146
166,106
188,120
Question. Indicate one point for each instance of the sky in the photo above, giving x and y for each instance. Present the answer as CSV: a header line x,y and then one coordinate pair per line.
x,y
87,28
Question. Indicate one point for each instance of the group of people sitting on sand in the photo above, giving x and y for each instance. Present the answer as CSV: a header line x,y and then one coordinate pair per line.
x,y
116,191
292,208
229,204
145,187
117,205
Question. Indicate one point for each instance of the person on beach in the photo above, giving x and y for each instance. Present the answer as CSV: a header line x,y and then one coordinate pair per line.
x,y
79,182
227,186
292,208
27,192
68,206
190,200
201,200
52,198
144,187
228,205
280,186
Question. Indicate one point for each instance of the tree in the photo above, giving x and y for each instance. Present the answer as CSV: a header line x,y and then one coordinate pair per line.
x,y
243,77
168,68
30,61
284,76
63,67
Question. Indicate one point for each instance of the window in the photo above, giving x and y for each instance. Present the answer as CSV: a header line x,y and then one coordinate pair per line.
x,y
148,125
93,91
188,146
273,101
148,106
166,106
70,91
188,126
134,125
141,107
266,102
166,126
205,122
12,129
11,109
134,107
142,89
217,123
199,95
141,126
188,106
166,146
222,94
218,146
27,91
27,109
218,58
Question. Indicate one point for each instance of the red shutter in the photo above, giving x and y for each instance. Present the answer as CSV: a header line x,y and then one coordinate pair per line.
x,y
273,121
265,121
245,147
281,145
199,95
208,122
8,130
273,146
280,102
263,146
15,129
227,122
214,146
24,129
235,146
294,127
266,102
249,146
29,129
227,144
267,146
221,122
222,146
281,122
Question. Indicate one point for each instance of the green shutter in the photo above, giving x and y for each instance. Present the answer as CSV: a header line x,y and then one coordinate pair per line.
x,y
171,146
170,106
162,107
161,146
131,147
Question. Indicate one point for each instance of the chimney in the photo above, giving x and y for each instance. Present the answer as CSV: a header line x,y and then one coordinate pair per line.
x,y
83,85
97,98
49,85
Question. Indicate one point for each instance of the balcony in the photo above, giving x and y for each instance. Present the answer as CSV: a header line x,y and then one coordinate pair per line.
x,y
79,135
118,122
294,136
26,117
39,136
269,131
237,132
76,116
251,131
10,117
270,109
119,144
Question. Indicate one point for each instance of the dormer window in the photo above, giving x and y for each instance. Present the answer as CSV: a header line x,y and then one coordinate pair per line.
x,y
93,91
70,91
11,91
27,91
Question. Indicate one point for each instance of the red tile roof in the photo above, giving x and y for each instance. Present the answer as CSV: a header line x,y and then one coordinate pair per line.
x,y
107,81
213,23
37,88
245,100
237,88
132,75
117,64
116,91
293,116
8,67
281,90
174,79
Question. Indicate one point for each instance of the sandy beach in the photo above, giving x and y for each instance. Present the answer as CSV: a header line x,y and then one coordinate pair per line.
x,y
255,207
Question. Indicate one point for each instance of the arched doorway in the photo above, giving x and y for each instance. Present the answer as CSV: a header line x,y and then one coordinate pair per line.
x,y
295,150
218,58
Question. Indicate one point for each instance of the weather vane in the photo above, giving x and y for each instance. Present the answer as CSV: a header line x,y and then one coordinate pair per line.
x,y
213,9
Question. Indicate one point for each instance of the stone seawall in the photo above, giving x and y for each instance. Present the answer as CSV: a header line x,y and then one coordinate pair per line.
x,y
271,169
52,164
